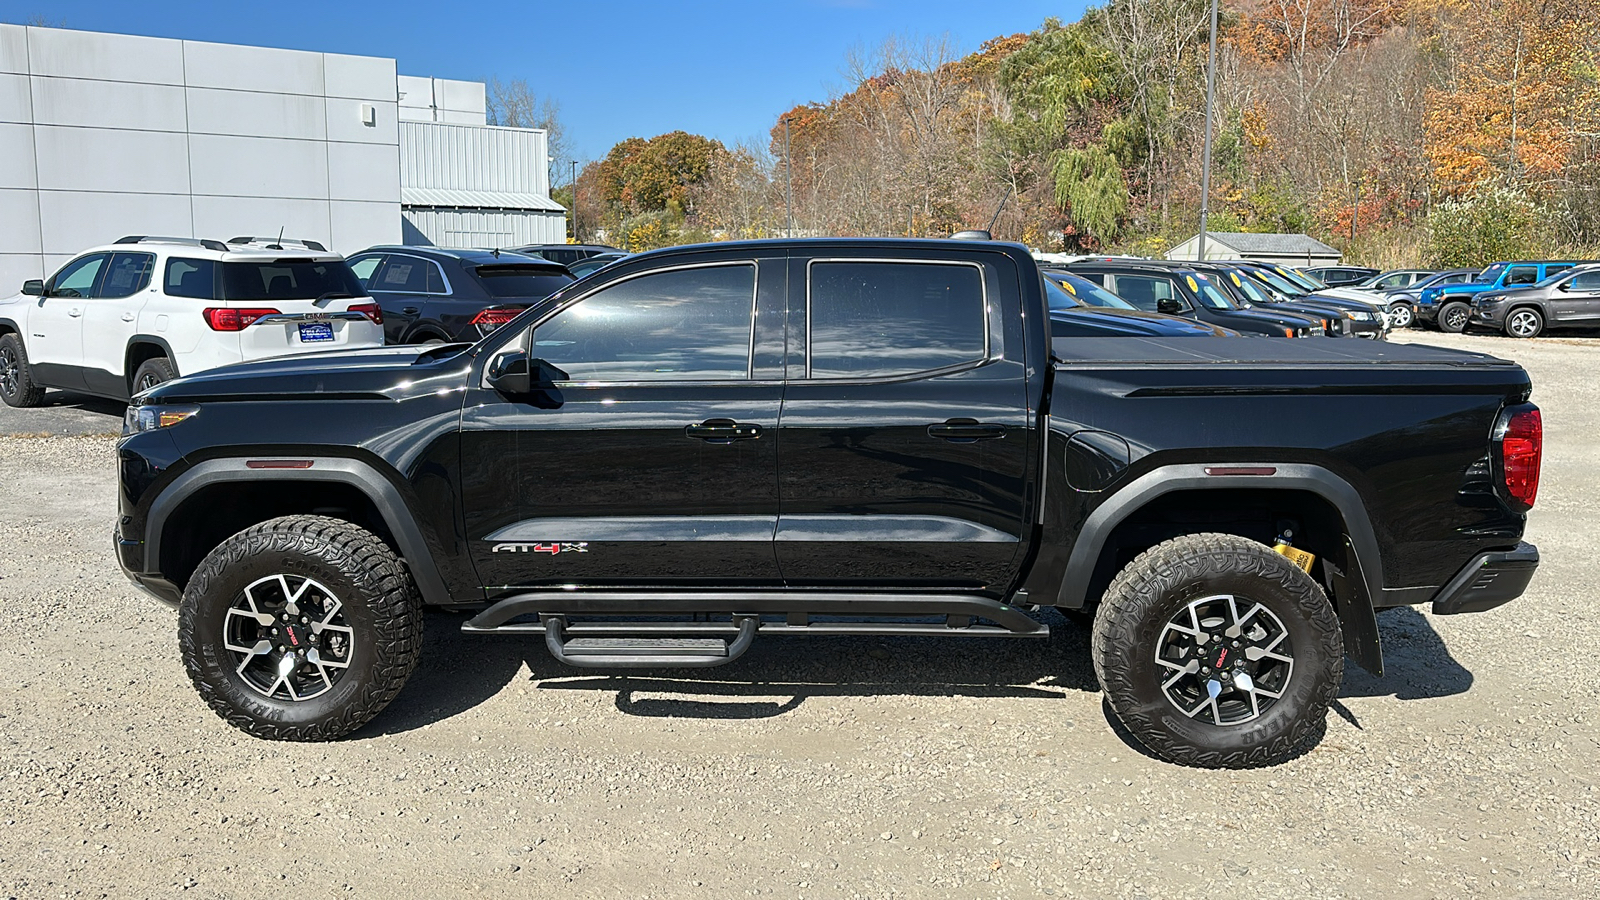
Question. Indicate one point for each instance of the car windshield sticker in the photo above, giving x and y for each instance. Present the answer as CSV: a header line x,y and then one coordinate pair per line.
x,y
1193,286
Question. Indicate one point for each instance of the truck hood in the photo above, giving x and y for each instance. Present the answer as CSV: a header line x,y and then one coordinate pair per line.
x,y
377,373
1353,295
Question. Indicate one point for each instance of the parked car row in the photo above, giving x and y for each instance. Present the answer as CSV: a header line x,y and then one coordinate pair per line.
x,y
122,318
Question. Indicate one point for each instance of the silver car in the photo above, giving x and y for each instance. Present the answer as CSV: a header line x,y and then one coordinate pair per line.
x,y
1571,297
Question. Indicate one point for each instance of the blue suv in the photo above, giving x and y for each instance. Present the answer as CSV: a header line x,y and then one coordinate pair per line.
x,y
1449,306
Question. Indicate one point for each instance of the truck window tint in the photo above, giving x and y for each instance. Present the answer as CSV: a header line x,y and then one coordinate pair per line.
x,y
687,325
436,282
128,274
531,282
871,319
194,278
289,279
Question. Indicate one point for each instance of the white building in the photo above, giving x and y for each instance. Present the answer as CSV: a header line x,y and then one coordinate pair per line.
x,y
105,135
1284,249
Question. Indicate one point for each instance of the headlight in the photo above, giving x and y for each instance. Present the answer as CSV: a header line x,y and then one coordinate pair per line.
x,y
1358,316
150,418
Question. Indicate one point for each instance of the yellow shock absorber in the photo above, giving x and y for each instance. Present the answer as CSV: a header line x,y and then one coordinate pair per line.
x,y
1297,556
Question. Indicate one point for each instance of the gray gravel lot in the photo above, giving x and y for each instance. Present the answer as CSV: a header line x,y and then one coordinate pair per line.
x,y
811,768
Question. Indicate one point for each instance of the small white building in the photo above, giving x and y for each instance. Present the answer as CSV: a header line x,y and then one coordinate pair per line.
x,y
106,135
1284,249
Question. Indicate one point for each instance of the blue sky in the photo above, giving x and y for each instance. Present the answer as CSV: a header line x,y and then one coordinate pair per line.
x,y
618,69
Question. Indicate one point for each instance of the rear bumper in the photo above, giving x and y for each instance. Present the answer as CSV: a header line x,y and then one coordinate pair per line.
x,y
1490,580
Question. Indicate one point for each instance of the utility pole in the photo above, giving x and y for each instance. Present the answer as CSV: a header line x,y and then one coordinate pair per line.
x,y
1205,172
788,184
575,235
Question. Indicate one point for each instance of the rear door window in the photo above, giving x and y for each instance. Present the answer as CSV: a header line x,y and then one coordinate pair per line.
x,y
193,278
885,319
128,274
403,275
1586,281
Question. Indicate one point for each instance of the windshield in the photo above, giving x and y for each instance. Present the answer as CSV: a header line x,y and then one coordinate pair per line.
x,y
289,279
1279,283
1491,274
533,282
1057,298
1086,292
1209,294
1251,288
1304,282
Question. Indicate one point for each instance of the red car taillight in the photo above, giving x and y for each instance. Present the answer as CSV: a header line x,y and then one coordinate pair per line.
x,y
494,318
1521,448
372,311
223,319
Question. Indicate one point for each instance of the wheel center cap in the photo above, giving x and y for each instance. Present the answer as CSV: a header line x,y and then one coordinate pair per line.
x,y
1224,656
296,637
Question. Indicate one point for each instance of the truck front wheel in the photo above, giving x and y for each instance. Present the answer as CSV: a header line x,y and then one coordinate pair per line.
x,y
300,628
1215,651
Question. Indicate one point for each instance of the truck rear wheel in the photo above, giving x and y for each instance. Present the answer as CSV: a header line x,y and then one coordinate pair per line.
x,y
300,628
1215,651
1454,316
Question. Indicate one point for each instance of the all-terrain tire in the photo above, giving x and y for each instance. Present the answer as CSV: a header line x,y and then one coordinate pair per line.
x,y
1162,583
17,387
152,372
379,601
1454,317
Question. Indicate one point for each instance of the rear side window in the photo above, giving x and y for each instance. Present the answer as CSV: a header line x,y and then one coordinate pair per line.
x,y
196,278
1144,291
684,325
404,275
1554,270
1586,281
532,282
289,279
364,268
879,319
128,274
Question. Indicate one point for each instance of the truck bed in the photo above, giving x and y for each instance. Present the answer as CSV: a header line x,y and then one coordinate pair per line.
x,y
1268,352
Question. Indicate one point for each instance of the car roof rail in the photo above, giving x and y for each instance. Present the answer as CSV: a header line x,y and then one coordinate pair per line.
x,y
207,243
273,243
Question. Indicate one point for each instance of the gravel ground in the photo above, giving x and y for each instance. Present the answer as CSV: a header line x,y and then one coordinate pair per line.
x,y
811,768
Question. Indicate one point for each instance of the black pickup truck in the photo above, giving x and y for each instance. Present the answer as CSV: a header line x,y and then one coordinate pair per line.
x,y
699,446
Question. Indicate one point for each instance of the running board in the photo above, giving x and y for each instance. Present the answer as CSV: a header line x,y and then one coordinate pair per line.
x,y
796,606
646,653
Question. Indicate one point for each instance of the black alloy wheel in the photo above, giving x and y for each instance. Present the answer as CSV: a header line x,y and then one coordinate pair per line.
x,y
16,378
1454,316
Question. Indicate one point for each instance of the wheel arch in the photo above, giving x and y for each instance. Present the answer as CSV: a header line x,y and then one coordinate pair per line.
x,y
142,348
336,479
1097,542
9,327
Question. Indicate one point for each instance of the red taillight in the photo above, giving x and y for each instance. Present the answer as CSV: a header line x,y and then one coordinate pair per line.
x,y
223,319
1520,450
495,317
372,311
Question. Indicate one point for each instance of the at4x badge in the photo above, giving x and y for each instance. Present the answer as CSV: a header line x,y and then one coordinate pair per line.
x,y
550,548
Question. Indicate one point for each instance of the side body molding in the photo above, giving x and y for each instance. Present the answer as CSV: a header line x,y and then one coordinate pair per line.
x,y
363,477
1356,612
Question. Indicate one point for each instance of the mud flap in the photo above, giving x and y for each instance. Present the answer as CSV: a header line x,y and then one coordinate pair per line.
x,y
1357,619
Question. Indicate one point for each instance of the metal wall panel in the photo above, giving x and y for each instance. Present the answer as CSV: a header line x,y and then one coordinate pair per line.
x,y
19,225
225,217
253,113
345,124
15,268
70,221
224,165
16,98
358,225
109,57
363,172
105,159
484,228
108,104
474,158
16,160
14,49
243,68
358,77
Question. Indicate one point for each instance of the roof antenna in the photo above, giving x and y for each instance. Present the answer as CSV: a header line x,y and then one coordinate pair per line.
x,y
999,209
495,252
278,244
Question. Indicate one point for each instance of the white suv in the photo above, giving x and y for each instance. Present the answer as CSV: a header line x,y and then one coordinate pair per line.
x,y
122,318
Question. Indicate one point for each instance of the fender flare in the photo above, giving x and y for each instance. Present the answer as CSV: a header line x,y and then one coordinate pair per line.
x,y
148,339
8,324
1358,616
353,472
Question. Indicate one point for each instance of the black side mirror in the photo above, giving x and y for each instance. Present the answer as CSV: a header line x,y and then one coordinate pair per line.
x,y
510,374
1169,305
1564,286
33,287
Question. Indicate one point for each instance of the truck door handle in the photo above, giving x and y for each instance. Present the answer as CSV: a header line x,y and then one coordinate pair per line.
x,y
966,431
127,317
410,311
722,431
75,312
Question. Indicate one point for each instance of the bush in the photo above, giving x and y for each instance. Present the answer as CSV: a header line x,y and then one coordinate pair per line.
x,y
1494,224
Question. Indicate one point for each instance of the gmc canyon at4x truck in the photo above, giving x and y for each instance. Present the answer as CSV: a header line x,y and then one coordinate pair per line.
x,y
703,445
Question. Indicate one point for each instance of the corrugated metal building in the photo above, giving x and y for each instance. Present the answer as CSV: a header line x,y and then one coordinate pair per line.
x,y
105,135
477,186
1284,249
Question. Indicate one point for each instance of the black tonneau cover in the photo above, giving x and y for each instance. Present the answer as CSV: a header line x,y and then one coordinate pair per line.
x,y
1260,351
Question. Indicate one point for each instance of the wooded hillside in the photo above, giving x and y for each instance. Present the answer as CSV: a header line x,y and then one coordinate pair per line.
x,y
1401,131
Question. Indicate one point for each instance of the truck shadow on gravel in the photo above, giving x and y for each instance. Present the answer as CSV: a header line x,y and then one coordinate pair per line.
x,y
458,672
